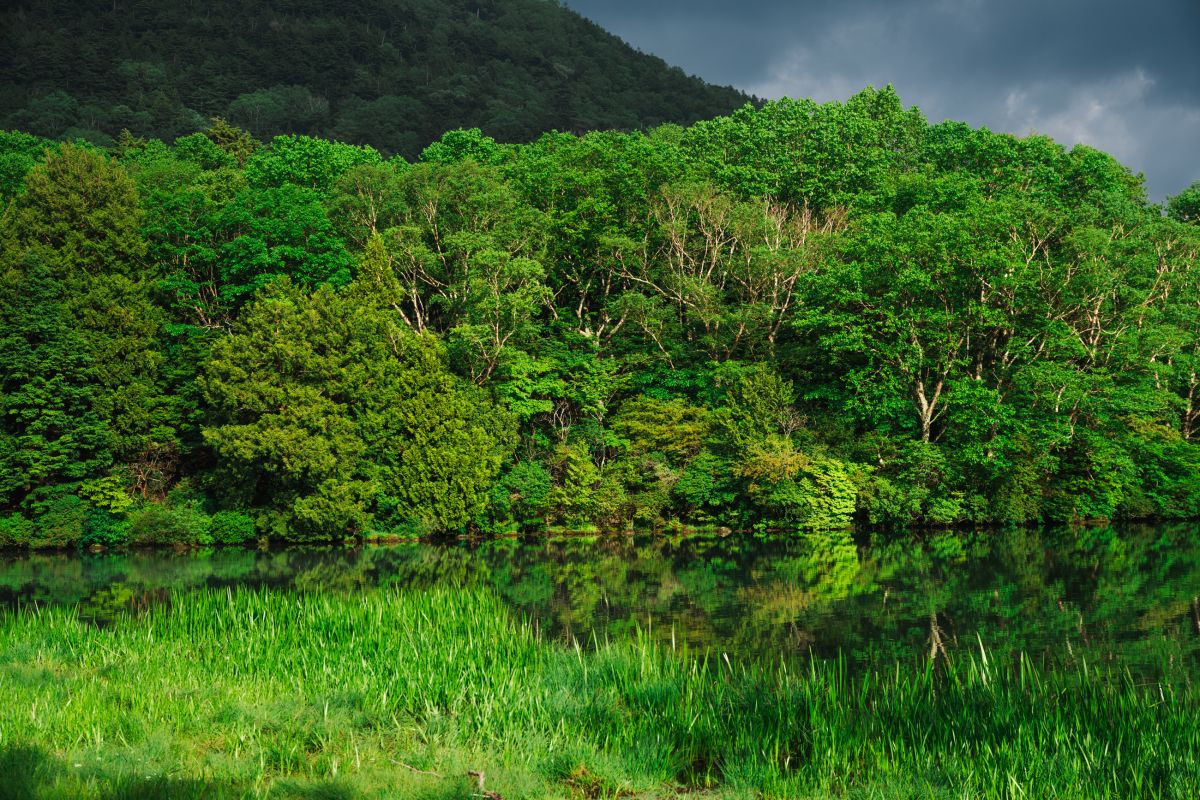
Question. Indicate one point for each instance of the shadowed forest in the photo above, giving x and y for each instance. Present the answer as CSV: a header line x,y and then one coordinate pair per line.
x,y
394,74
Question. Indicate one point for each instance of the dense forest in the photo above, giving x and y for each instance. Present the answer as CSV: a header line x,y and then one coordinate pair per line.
x,y
800,314
393,74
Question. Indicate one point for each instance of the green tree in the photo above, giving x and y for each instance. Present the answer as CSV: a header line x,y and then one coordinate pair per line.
x,y
334,417
305,161
51,430
19,152
1185,206
73,241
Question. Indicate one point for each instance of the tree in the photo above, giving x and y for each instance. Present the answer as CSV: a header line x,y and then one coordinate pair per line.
x,y
468,254
264,234
305,161
19,152
333,417
51,429
1185,206
73,242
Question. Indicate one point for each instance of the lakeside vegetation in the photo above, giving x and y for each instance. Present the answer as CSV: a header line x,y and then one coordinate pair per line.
x,y
243,693
796,316
1123,597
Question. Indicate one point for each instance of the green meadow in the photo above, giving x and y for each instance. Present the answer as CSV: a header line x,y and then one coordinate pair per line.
x,y
403,692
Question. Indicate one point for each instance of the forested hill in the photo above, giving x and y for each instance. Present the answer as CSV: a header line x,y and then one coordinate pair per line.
x,y
394,74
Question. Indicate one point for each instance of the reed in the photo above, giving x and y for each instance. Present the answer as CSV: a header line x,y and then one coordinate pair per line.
x,y
399,693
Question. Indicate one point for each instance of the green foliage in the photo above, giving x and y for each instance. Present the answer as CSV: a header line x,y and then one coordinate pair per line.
x,y
82,208
108,493
204,152
179,520
231,527
16,530
326,412
80,359
801,315
59,515
573,501
231,140
304,161
52,427
265,234
1185,206
461,145
102,528
706,487
19,152
673,428
520,496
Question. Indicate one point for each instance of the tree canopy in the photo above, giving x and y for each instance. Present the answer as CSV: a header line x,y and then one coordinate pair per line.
x,y
801,315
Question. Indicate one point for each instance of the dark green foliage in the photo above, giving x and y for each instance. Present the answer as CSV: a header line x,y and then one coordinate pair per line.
x,y
394,75
59,516
81,363
519,497
231,527
178,520
51,428
102,528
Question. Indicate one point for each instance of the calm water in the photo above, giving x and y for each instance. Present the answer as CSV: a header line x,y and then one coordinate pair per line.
x,y
1128,596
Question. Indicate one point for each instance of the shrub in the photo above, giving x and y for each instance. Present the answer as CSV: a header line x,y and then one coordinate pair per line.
x,y
519,497
169,523
104,528
58,517
15,530
231,527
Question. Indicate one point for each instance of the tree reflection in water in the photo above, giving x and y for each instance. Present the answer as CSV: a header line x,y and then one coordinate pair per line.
x,y
1126,595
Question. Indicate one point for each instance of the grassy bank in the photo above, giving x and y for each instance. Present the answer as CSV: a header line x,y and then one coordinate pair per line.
x,y
400,694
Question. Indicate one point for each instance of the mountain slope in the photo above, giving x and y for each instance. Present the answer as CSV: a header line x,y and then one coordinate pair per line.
x,y
391,73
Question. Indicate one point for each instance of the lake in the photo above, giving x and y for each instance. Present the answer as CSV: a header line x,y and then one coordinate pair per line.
x,y
1128,596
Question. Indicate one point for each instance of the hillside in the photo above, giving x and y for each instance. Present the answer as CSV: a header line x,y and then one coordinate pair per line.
x,y
394,74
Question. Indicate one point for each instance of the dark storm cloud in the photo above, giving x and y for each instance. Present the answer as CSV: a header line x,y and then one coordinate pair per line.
x,y
1121,76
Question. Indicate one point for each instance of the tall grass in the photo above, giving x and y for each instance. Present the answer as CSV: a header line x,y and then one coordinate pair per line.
x,y
399,693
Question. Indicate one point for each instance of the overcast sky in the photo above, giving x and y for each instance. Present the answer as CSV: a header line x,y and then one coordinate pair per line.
x,y
1120,76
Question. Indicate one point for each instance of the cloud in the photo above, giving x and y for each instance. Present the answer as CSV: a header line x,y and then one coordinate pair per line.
x,y
1123,77
1098,114
1118,115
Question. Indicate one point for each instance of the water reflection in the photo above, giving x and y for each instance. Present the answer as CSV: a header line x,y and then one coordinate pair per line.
x,y
1125,596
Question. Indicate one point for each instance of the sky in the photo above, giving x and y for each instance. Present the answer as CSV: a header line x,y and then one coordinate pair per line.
x,y
1120,76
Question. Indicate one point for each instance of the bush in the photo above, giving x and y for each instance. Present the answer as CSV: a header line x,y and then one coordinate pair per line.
x,y
519,497
168,523
104,528
58,516
15,530
231,527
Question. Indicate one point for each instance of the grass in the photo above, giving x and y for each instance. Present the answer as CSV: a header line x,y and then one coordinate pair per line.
x,y
401,693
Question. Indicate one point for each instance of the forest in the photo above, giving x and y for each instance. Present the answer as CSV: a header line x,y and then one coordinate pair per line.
x,y
393,74
799,315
